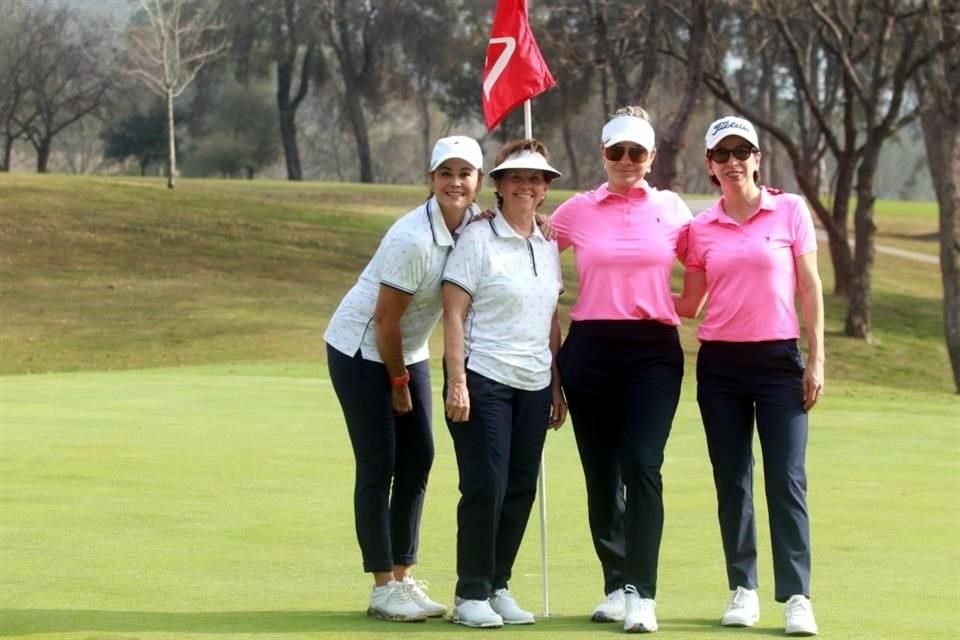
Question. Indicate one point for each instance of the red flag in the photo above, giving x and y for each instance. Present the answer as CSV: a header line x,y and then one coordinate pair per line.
x,y
514,69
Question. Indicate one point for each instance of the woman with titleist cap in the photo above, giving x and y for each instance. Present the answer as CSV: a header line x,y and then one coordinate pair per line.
x,y
377,355
500,291
621,363
752,254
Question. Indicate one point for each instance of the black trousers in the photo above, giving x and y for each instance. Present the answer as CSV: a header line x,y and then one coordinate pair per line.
x,y
622,384
498,457
388,449
738,383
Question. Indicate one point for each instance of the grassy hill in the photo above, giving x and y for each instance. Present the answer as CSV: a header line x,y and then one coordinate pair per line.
x,y
109,273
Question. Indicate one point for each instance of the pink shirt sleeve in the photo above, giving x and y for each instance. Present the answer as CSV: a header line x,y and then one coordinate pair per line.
x,y
562,220
805,235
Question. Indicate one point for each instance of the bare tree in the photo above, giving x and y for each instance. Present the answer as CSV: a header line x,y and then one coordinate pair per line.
x,y
877,48
169,42
15,37
284,34
695,21
56,77
356,29
940,121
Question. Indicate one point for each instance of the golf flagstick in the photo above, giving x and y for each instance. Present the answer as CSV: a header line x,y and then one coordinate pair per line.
x,y
542,491
542,476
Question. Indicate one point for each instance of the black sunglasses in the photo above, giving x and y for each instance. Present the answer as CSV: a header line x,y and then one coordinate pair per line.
x,y
614,153
721,155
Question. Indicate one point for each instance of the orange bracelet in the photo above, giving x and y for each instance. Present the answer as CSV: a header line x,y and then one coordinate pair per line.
x,y
400,381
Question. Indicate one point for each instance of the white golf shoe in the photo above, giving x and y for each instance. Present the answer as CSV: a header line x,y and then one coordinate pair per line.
x,y
504,604
475,613
611,609
743,609
639,614
798,616
392,601
418,593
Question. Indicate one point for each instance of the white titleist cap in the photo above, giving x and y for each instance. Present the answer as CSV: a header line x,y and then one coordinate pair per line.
x,y
526,159
461,147
730,126
628,129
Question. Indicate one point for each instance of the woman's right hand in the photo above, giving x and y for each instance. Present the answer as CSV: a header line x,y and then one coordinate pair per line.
x,y
457,404
546,227
401,400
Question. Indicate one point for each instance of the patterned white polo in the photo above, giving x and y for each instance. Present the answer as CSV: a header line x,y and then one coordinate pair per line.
x,y
514,283
410,259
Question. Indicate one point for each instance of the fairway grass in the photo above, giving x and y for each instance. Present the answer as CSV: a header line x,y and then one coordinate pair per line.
x,y
216,502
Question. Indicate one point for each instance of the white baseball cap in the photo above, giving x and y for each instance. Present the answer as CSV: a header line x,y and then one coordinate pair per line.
x,y
730,126
525,159
462,147
628,129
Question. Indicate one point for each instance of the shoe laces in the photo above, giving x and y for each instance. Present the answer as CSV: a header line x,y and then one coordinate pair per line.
x,y
615,596
503,594
739,598
416,587
631,589
400,594
798,607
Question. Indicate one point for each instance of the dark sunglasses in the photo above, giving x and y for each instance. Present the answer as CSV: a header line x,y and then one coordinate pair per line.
x,y
614,153
721,155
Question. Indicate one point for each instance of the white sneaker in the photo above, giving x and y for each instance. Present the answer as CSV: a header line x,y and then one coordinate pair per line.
x,y
503,603
611,609
418,593
392,601
799,617
743,610
639,614
475,613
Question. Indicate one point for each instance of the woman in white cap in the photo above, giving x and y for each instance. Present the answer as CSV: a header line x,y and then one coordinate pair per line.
x,y
621,362
753,253
500,292
378,360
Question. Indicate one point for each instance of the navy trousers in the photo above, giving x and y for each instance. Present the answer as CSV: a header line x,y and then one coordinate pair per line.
x,y
498,458
622,384
737,384
389,450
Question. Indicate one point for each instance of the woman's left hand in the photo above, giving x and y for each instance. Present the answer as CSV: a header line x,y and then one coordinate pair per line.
x,y
812,385
558,409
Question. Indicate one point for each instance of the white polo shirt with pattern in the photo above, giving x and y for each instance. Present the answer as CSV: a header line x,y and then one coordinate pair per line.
x,y
410,258
514,284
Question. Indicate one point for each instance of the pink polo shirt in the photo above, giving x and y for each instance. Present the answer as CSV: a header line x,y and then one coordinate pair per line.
x,y
624,247
751,268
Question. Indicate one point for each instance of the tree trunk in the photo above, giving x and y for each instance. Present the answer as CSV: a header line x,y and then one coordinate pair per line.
x,y
858,312
840,254
663,173
43,153
358,123
571,150
423,105
288,121
7,152
171,144
288,135
942,136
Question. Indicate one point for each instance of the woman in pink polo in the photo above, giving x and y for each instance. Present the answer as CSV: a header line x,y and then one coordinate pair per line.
x,y
753,253
622,364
